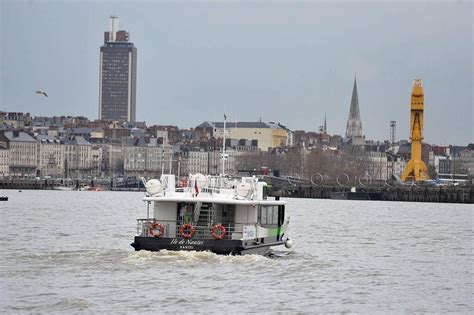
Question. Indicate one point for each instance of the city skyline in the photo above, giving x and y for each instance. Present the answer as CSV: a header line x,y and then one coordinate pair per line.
x,y
289,63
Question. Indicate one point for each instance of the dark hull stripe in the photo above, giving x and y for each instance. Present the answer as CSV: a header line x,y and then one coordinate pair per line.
x,y
225,247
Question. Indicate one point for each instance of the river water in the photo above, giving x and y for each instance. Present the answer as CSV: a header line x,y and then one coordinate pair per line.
x,y
69,252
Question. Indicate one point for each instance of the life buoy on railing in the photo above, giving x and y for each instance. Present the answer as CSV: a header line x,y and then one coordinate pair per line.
x,y
184,182
317,182
218,231
187,230
343,183
161,230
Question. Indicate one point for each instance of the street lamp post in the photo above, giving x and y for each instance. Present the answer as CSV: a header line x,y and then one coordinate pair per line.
x,y
454,165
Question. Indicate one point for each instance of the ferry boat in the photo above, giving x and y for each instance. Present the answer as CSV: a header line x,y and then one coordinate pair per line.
x,y
218,214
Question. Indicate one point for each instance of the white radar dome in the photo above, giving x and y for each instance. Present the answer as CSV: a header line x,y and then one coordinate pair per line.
x,y
243,189
153,187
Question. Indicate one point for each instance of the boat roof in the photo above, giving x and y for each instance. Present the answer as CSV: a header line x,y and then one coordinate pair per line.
x,y
231,192
223,199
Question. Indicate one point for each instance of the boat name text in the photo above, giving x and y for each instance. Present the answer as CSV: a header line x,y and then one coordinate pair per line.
x,y
176,241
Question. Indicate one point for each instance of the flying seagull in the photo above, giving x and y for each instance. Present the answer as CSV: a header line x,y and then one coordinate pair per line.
x,y
42,93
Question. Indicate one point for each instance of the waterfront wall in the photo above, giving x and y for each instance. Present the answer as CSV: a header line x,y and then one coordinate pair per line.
x,y
27,184
446,194
45,184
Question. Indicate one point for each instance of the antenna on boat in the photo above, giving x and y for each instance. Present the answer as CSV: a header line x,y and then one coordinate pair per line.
x,y
144,183
171,160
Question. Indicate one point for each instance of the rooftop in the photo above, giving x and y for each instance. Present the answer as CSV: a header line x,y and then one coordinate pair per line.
x,y
19,136
78,140
237,124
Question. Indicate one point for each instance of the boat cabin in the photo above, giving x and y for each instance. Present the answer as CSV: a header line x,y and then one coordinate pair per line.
x,y
241,208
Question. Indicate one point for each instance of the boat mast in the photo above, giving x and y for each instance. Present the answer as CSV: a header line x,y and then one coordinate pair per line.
x,y
223,148
162,158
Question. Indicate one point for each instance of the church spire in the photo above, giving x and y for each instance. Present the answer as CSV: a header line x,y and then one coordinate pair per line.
x,y
354,112
354,124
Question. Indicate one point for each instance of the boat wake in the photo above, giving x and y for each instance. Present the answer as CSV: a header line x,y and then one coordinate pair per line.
x,y
281,253
192,257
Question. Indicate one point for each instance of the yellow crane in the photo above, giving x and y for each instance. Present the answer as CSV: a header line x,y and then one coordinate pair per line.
x,y
416,169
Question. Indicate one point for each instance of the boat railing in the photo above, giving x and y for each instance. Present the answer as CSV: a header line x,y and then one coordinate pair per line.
x,y
207,190
171,229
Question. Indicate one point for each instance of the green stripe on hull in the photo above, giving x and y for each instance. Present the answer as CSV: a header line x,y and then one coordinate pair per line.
x,y
274,231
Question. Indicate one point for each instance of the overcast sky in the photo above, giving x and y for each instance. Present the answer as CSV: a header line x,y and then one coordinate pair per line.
x,y
283,61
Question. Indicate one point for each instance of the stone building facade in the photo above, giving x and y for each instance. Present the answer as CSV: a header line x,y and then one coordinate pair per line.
x,y
22,152
4,162
51,157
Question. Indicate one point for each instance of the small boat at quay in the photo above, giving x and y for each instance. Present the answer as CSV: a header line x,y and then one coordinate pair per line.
x,y
90,188
3,198
218,214
64,188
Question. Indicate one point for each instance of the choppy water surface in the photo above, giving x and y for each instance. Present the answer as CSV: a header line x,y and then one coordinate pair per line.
x,y
69,251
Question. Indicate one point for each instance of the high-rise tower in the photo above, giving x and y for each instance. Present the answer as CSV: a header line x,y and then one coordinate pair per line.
x,y
354,124
117,75
416,169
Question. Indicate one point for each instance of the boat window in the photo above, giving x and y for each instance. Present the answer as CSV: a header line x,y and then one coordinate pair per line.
x,y
224,213
228,213
185,211
268,215
281,215
263,215
275,215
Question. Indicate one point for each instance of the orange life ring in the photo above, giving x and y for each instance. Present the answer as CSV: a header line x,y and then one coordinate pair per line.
x,y
160,227
218,228
184,182
191,230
